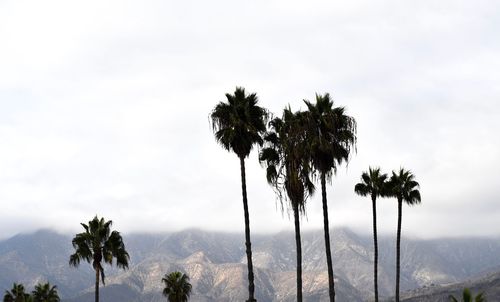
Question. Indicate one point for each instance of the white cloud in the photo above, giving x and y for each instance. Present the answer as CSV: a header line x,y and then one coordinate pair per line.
x,y
104,108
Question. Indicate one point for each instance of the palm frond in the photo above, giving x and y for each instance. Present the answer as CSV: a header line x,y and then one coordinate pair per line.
x,y
286,158
331,134
361,189
177,287
99,243
239,124
373,183
403,186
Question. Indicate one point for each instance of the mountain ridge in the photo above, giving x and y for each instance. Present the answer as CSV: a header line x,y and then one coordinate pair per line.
x,y
216,263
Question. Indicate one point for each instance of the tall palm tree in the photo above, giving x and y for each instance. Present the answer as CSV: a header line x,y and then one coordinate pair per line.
x,y
373,183
177,287
17,294
45,293
96,244
332,136
468,297
286,158
404,188
238,125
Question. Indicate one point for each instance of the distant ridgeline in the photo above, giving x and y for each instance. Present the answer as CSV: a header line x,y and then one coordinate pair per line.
x,y
216,264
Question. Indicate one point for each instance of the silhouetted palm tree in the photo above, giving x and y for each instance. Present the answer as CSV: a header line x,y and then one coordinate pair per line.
x,y
332,136
99,244
373,183
45,293
468,297
177,287
286,158
239,125
404,188
17,294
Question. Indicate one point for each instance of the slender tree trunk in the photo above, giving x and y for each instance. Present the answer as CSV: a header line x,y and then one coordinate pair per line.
x,y
375,246
248,244
299,251
398,248
331,284
96,284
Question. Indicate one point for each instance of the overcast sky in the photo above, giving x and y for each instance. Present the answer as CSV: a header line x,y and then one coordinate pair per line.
x,y
104,109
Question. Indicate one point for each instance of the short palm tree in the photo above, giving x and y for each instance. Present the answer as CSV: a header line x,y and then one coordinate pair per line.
x,y
286,158
404,188
468,297
45,293
238,125
98,244
17,294
373,183
177,287
332,136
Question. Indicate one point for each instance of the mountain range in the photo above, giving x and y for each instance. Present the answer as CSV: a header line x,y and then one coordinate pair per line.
x,y
216,264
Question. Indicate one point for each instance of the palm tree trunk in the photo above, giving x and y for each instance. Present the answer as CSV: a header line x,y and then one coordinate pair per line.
x,y
248,244
97,285
299,251
375,244
326,227
398,247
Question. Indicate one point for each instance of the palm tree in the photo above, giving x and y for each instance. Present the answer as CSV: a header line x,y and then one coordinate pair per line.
x,y
468,297
331,135
286,159
96,244
403,187
16,294
45,293
177,287
238,125
373,183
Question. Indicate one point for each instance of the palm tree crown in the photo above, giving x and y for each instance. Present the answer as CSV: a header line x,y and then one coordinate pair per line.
x,y
45,293
403,186
373,183
286,158
331,134
177,287
240,123
96,244
17,294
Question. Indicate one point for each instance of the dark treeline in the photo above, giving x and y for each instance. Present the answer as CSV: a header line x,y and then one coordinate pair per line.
x,y
43,292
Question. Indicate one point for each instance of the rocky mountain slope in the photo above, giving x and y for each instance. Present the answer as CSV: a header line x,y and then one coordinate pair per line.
x,y
488,284
216,264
